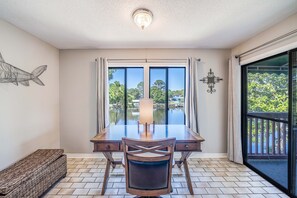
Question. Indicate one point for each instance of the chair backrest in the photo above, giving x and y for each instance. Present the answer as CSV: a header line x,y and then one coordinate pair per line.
x,y
148,166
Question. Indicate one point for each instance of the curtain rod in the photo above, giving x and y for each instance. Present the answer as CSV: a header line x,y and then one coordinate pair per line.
x,y
267,43
147,60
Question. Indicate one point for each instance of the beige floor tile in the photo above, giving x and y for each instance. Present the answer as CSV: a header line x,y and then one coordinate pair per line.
x,y
216,184
257,184
209,196
75,179
228,190
225,196
271,190
229,184
199,191
94,192
66,191
64,185
243,190
210,178
80,191
111,191
202,184
257,190
243,184
256,196
215,191
53,191
240,196
78,185
271,196
231,178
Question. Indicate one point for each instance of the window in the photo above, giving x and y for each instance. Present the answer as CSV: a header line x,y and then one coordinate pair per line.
x,y
125,90
167,89
164,84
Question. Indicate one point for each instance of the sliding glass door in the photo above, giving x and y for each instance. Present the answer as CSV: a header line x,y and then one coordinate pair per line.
x,y
269,122
267,85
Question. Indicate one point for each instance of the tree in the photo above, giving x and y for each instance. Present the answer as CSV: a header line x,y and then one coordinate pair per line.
x,y
116,98
267,92
140,89
132,94
160,84
158,91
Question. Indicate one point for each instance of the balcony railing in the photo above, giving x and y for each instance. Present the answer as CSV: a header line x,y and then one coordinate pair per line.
x,y
267,135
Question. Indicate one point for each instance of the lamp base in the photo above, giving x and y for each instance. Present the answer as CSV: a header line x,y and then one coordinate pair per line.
x,y
146,127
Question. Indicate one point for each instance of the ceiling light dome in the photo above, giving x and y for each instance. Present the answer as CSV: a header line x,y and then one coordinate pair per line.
x,y
142,17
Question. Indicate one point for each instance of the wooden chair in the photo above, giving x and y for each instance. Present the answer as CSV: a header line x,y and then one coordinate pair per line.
x,y
148,166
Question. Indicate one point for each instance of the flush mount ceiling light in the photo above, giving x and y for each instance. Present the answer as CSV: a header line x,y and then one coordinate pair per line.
x,y
142,17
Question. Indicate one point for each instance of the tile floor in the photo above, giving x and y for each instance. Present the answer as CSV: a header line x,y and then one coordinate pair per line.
x,y
210,178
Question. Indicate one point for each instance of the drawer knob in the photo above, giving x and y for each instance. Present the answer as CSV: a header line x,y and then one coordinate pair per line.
x,y
187,146
107,147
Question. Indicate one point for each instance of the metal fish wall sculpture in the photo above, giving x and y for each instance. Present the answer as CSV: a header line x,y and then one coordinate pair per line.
x,y
12,74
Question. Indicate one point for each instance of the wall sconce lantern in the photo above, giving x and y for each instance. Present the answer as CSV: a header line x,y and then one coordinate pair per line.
x,y
211,80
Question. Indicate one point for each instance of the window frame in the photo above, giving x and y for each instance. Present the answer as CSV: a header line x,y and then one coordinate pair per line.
x,y
146,77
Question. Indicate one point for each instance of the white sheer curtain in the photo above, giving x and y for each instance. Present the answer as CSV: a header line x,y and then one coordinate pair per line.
x,y
191,109
234,148
102,93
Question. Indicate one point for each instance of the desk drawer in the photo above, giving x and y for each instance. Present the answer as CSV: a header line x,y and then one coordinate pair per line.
x,y
187,147
107,147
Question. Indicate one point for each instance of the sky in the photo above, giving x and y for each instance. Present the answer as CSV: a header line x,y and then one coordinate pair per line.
x,y
135,75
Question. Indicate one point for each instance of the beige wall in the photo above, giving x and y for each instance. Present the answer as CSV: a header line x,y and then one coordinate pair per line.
x,y
77,94
279,29
29,116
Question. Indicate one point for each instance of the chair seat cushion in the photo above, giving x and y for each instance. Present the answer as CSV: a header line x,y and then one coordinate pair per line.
x,y
22,170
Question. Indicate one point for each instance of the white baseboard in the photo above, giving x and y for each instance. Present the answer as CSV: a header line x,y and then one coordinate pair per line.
x,y
100,155
208,155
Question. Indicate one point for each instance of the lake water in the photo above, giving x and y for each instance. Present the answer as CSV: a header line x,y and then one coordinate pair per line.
x,y
175,116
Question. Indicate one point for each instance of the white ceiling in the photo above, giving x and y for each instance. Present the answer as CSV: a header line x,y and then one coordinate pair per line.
x,y
81,24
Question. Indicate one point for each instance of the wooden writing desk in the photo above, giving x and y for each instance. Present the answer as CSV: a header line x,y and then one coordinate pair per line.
x,y
109,140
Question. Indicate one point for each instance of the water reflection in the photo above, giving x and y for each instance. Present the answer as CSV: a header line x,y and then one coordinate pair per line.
x,y
175,116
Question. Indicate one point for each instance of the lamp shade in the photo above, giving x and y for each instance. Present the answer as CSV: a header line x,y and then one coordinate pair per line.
x,y
146,111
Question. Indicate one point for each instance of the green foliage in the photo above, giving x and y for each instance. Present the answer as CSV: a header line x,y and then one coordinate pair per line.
x,y
132,94
116,93
158,91
267,92
140,87
116,98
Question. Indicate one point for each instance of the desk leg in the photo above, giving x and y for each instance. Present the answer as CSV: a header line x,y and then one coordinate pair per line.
x,y
109,157
183,161
106,175
110,162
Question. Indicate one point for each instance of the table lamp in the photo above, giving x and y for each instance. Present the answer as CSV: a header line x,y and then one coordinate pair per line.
x,y
146,112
